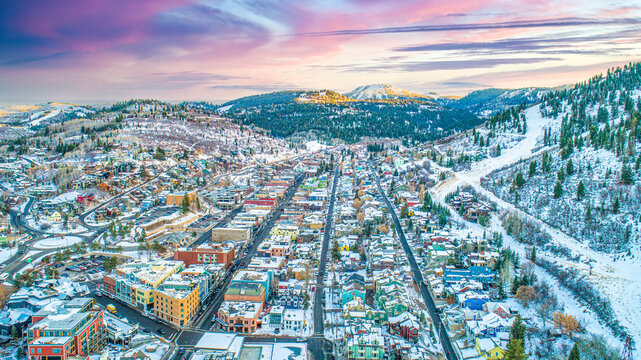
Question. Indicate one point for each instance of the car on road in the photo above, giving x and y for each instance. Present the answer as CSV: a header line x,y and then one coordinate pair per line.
x,y
29,260
161,331
111,308
98,294
181,350
301,339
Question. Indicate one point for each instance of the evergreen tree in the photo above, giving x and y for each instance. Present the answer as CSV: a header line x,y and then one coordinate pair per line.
x,y
532,168
588,213
517,332
580,191
569,167
574,354
626,175
515,350
558,190
519,181
615,206
185,204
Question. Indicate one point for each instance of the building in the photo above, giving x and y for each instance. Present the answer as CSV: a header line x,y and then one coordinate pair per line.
x,y
240,316
365,346
134,282
207,254
177,198
294,320
242,291
230,234
65,329
176,301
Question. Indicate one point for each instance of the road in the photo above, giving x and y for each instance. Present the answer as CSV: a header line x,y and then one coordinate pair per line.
x,y
418,277
202,321
317,342
84,215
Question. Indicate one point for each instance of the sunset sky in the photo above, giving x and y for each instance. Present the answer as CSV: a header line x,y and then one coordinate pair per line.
x,y
92,51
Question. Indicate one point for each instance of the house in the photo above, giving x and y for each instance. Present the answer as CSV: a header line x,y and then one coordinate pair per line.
x,y
405,325
351,291
54,217
294,319
488,348
472,300
368,346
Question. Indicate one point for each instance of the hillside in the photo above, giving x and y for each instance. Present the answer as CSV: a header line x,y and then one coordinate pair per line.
x,y
488,102
384,91
330,115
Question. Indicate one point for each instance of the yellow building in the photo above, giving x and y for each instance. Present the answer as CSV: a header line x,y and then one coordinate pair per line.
x,y
488,348
176,304
177,198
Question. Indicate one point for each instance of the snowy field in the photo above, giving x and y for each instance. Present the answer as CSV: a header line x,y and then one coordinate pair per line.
x,y
57,242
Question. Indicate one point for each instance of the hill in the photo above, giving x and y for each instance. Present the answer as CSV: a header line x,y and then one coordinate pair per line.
x,y
329,115
488,102
384,91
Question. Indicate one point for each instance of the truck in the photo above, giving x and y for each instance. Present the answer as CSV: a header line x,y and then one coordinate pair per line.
x,y
111,308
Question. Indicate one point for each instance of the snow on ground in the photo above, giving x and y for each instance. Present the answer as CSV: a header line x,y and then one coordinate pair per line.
x,y
314,146
57,242
619,281
6,253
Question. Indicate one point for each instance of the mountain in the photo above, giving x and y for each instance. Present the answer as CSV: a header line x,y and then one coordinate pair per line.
x,y
488,102
328,114
384,91
36,116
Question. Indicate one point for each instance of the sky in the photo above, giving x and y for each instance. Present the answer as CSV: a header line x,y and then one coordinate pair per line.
x,y
96,51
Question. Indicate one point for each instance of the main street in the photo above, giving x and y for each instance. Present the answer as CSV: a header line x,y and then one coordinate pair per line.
x,y
202,321
418,277
317,342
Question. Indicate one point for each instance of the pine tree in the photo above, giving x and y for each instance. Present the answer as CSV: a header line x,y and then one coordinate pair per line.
x,y
185,204
515,350
626,175
580,191
519,181
558,190
574,354
588,213
615,206
569,168
517,332
532,168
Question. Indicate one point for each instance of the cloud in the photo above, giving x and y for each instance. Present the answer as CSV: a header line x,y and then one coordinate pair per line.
x,y
462,84
555,22
257,87
414,66
522,44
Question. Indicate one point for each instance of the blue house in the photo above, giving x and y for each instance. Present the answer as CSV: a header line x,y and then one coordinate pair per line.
x,y
352,291
472,300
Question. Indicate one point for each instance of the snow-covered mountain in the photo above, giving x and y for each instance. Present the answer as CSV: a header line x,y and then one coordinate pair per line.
x,y
43,114
487,102
383,91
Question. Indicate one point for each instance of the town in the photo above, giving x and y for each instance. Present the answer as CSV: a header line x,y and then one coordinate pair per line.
x,y
336,252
